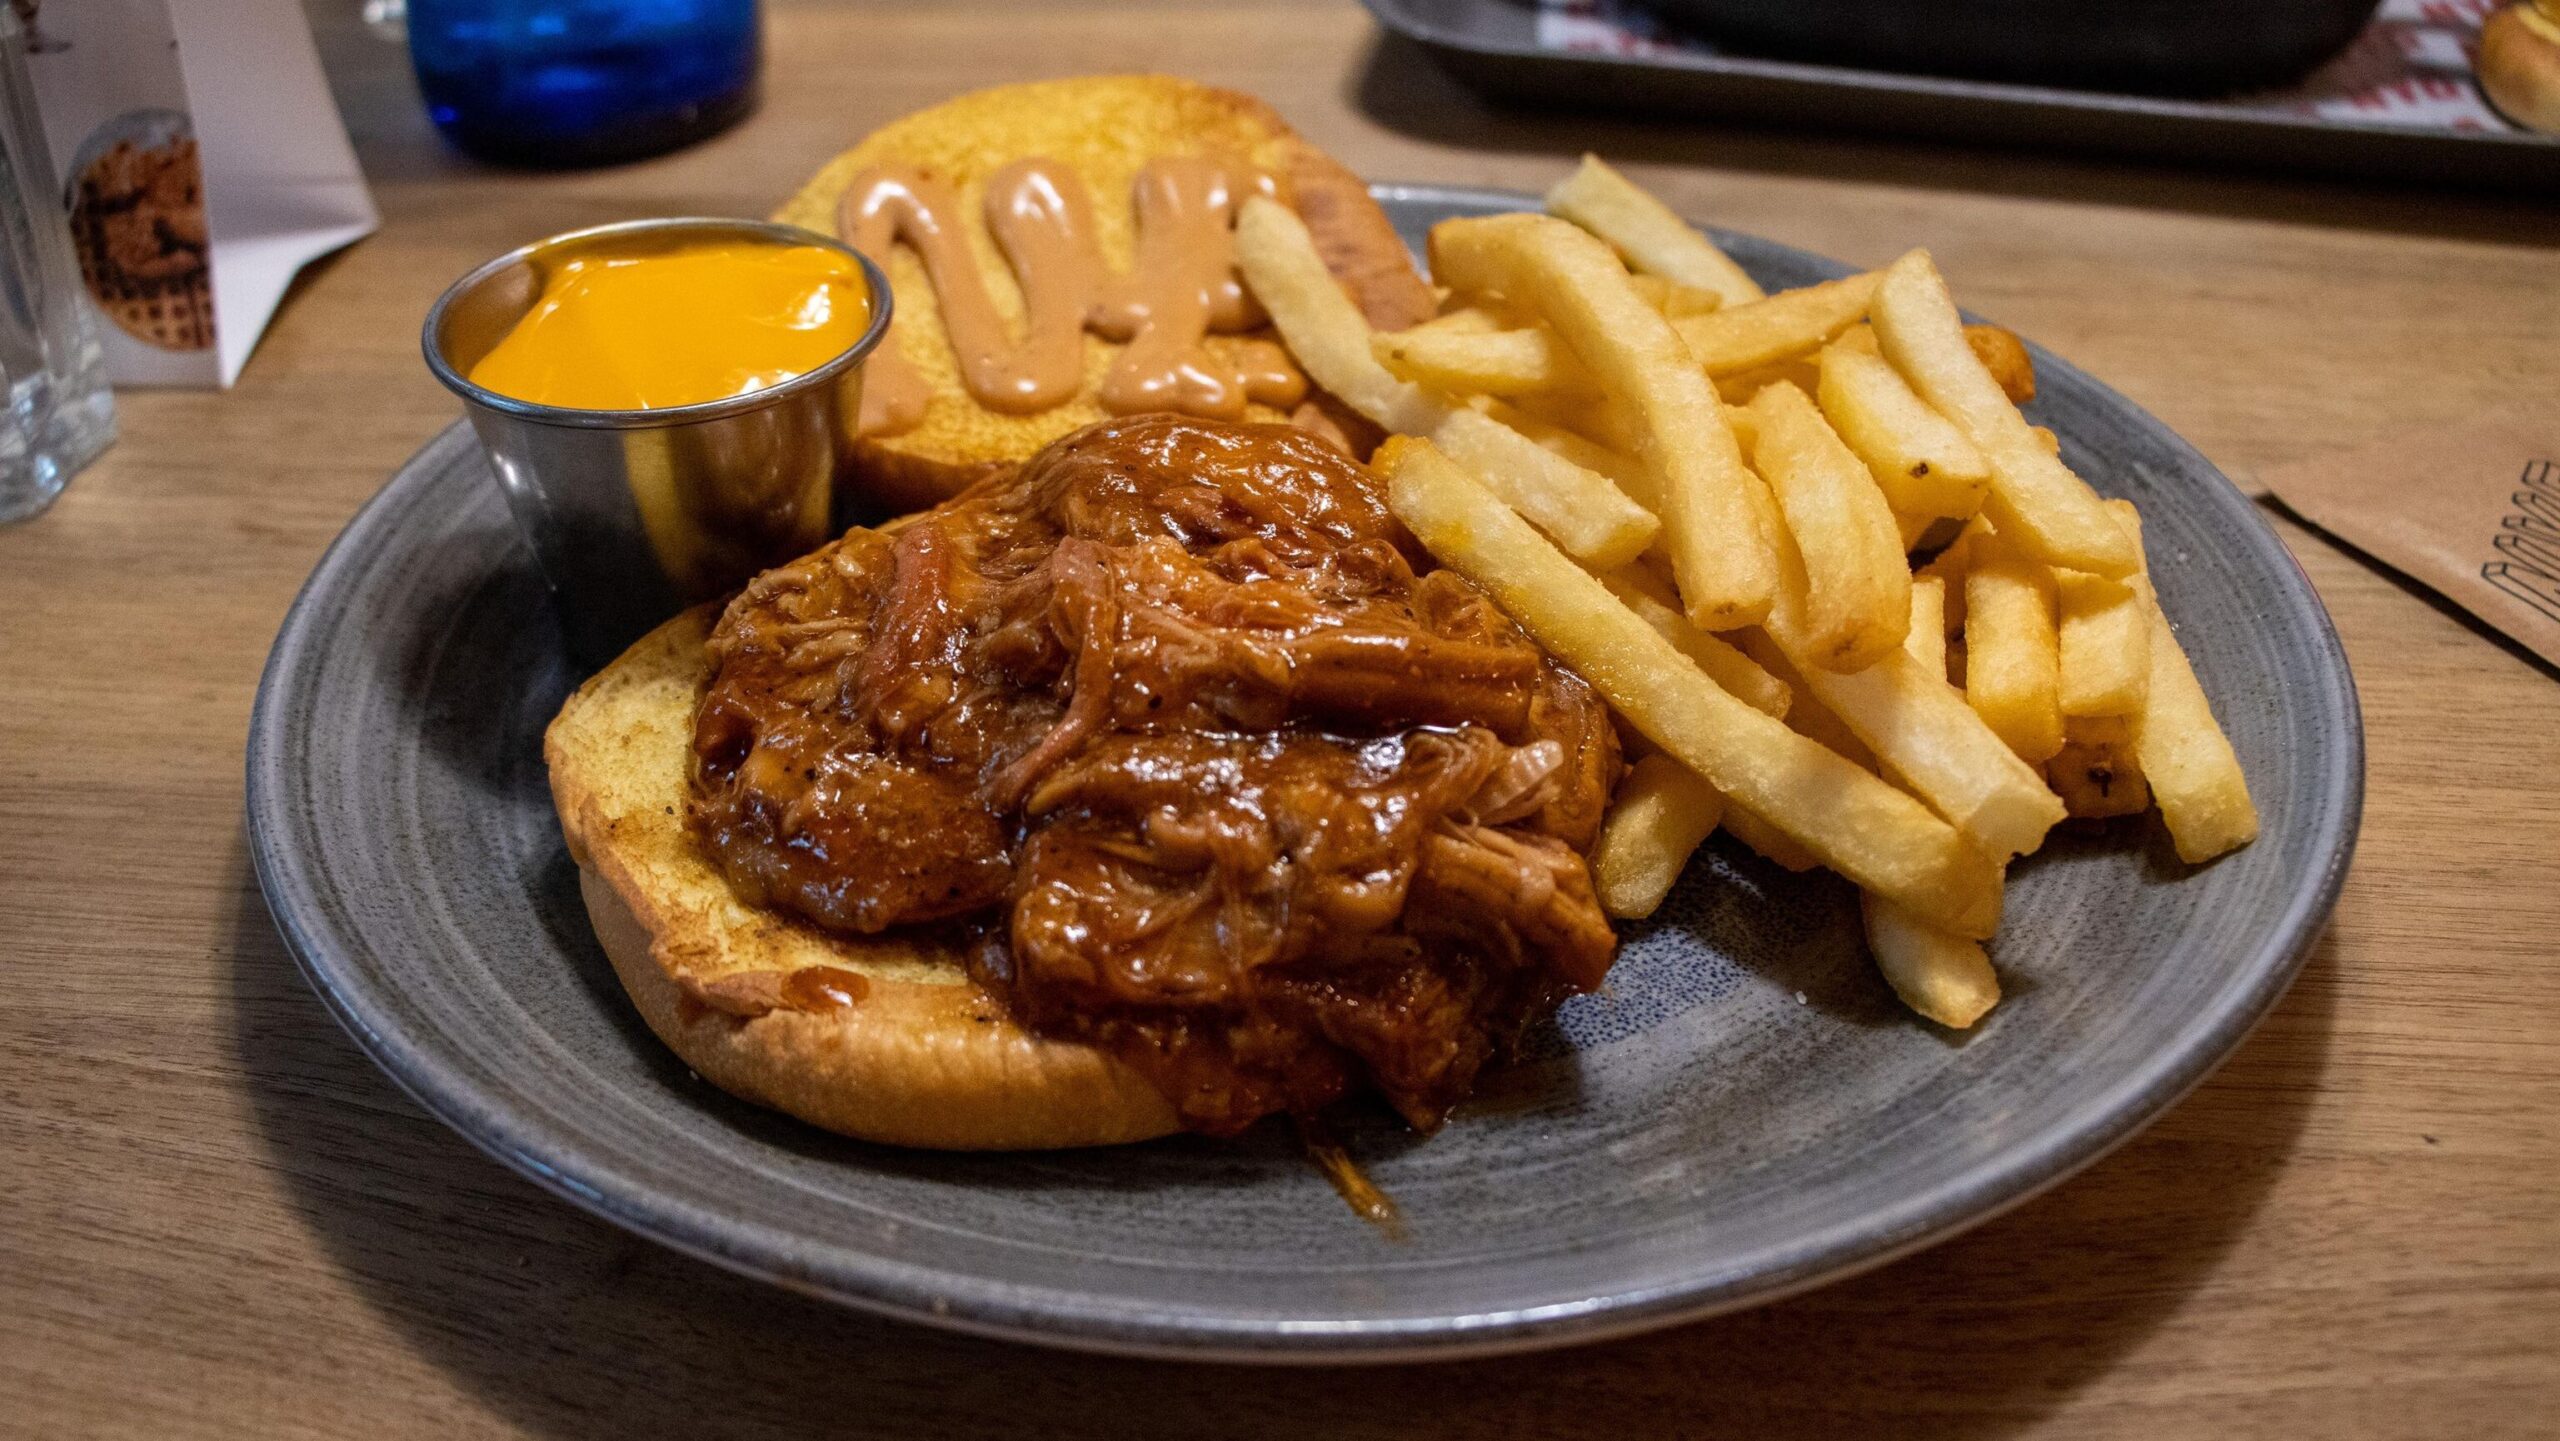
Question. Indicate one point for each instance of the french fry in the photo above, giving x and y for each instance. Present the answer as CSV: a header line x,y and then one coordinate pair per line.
x,y
2012,659
1767,841
1808,717
1674,299
1788,324
1472,318
2004,355
1949,566
1946,978
2194,776
1656,606
2041,509
1592,419
1587,515
2105,645
1746,434
1494,362
1999,349
2095,772
1739,387
1324,330
1919,730
1603,419
1920,460
1645,233
1915,529
1623,471
1926,638
1661,814
1857,591
1702,488
1861,827
1912,726
1941,530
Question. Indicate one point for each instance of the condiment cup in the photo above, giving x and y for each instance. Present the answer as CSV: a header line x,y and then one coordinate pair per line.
x,y
635,514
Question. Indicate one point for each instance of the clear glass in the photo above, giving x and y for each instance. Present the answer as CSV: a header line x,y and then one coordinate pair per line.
x,y
60,414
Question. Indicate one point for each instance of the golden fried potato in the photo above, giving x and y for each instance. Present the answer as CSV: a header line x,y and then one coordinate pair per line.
x,y
1944,977
1857,601
1923,464
1701,485
1662,812
2042,510
1857,824
2095,772
1644,231
1588,516
2012,657
2194,775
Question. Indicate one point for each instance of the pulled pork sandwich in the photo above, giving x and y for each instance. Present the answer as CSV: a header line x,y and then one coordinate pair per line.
x,y
1159,783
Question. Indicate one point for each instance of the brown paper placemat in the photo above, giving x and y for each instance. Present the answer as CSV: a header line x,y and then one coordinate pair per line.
x,y
2469,510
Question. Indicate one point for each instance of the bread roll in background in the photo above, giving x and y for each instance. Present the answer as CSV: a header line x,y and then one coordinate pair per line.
x,y
2519,63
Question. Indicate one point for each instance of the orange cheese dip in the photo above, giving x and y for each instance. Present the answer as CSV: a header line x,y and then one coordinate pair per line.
x,y
679,324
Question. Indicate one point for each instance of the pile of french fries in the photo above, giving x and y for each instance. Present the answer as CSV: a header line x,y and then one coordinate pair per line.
x,y
1707,501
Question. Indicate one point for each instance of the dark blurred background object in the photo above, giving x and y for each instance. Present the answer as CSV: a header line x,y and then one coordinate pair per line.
x,y
584,82
2168,47
2401,101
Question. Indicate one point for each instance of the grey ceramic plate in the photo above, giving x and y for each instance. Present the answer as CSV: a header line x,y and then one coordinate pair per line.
x,y
1743,1112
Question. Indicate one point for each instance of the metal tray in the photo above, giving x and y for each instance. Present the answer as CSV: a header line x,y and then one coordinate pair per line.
x,y
1493,46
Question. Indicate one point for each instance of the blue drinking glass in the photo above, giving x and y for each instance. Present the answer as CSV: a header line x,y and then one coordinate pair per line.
x,y
583,82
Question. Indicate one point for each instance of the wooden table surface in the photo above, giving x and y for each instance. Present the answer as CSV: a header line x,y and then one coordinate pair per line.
x,y
217,1219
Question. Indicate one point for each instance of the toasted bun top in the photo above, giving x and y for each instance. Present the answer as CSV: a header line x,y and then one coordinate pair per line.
x,y
885,1038
1106,128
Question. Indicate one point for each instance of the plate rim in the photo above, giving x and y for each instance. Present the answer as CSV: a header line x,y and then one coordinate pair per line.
x,y
991,1307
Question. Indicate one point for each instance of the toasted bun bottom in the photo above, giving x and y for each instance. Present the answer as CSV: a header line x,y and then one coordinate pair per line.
x,y
2519,66
905,1050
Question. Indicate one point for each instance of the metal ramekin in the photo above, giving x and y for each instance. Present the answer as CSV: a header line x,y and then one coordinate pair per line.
x,y
635,514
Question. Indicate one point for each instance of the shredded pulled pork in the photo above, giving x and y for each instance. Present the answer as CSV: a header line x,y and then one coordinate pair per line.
x,y
1167,728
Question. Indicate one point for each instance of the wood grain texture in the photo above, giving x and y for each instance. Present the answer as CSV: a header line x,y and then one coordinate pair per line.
x,y
217,1220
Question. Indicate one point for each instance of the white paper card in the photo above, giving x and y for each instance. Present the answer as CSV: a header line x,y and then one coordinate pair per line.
x,y
204,164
